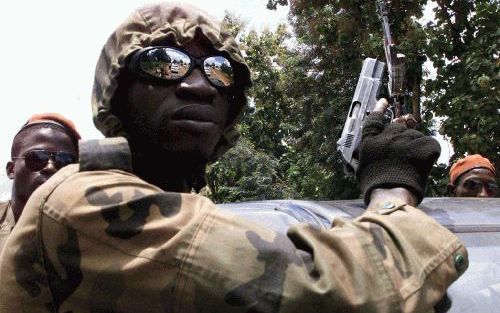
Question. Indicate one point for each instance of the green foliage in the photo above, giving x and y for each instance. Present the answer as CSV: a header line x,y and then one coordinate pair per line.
x,y
245,173
464,46
233,24
334,37
304,81
267,124
273,4
436,185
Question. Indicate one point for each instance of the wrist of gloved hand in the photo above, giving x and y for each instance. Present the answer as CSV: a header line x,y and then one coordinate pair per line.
x,y
394,156
381,175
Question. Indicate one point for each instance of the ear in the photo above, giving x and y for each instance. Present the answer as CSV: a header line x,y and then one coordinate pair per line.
x,y
9,169
451,190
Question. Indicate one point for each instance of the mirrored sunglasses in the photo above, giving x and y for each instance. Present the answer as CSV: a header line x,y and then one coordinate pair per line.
x,y
169,64
36,160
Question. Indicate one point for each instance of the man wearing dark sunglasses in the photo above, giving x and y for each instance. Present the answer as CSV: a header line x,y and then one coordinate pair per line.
x,y
45,143
97,238
473,176
176,105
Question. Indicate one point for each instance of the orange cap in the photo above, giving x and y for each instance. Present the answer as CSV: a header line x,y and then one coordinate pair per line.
x,y
53,118
466,164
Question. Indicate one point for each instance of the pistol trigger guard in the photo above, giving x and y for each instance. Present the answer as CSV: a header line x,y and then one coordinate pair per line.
x,y
348,169
389,115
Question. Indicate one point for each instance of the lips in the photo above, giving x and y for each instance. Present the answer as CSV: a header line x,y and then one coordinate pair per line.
x,y
196,112
196,118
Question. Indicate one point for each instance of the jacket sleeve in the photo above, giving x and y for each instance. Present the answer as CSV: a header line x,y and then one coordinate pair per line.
x,y
121,245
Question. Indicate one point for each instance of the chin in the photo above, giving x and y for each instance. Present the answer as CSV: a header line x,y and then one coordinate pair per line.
x,y
193,150
194,155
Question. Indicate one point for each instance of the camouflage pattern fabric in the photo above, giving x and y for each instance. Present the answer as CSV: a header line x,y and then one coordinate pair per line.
x,y
7,222
106,241
155,24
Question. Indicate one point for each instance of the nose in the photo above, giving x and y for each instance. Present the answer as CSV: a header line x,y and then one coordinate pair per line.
x,y
49,169
485,192
197,87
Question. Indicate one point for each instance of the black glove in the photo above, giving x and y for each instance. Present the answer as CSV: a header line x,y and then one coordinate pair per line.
x,y
394,156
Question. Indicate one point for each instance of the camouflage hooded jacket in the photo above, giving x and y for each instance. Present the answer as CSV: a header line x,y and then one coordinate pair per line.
x,y
7,222
95,238
152,25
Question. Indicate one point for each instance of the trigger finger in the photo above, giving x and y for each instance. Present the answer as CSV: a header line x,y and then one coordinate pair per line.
x,y
374,123
381,105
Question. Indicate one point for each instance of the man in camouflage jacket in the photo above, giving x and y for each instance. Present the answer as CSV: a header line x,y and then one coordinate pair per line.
x,y
97,238
44,144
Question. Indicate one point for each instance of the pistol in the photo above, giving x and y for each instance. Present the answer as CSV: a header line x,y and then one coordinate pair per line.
x,y
363,102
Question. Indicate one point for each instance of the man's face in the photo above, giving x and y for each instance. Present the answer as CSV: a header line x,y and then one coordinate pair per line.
x,y
25,181
185,117
478,182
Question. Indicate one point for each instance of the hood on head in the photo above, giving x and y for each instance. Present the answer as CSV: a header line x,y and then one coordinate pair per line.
x,y
147,26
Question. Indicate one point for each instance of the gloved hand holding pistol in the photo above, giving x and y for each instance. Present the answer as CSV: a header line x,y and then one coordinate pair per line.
x,y
394,155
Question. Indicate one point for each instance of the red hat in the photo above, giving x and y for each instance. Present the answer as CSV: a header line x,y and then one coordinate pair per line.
x,y
466,164
53,118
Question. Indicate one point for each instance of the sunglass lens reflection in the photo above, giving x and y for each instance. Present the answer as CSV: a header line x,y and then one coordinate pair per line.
x,y
165,63
219,71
